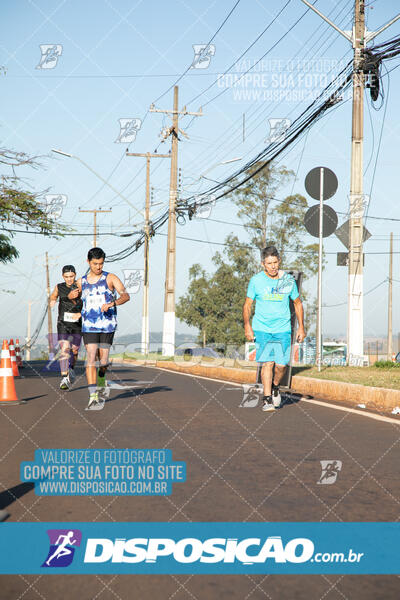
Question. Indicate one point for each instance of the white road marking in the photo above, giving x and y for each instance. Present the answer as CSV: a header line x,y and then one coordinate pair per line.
x,y
319,402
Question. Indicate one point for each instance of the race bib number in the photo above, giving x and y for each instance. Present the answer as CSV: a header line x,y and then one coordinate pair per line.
x,y
95,301
71,317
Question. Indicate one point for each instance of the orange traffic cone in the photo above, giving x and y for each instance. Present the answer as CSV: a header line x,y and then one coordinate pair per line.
x,y
7,387
14,365
18,354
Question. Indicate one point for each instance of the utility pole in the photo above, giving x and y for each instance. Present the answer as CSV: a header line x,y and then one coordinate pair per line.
x,y
390,302
28,332
95,211
355,321
49,321
168,343
145,317
358,37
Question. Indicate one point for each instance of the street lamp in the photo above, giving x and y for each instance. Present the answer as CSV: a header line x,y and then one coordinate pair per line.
x,y
100,177
224,162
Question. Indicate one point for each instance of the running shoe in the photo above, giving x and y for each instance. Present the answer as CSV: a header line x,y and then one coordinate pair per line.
x,y
71,375
93,399
276,396
65,383
268,404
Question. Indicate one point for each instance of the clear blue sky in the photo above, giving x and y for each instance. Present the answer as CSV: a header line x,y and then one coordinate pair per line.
x,y
117,58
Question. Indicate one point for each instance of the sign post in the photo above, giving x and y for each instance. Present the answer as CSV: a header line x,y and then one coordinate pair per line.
x,y
320,221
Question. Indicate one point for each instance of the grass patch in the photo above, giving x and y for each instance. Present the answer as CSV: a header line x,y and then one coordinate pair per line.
x,y
375,376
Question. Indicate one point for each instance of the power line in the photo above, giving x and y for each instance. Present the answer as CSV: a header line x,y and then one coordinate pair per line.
x,y
243,53
159,98
269,153
366,294
263,56
379,146
207,46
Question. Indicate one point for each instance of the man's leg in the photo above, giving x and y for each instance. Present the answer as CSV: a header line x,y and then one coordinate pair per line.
x,y
282,360
104,354
263,355
279,373
106,340
266,377
91,371
74,356
65,383
64,357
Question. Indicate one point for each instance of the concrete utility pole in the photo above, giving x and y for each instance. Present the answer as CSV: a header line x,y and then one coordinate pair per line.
x,y
168,343
49,320
358,37
355,321
28,332
390,302
145,317
95,211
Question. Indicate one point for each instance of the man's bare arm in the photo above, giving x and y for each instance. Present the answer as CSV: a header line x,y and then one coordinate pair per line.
x,y
53,297
114,283
248,331
298,307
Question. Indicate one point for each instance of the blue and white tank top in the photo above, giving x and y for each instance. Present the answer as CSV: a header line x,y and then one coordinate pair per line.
x,y
94,295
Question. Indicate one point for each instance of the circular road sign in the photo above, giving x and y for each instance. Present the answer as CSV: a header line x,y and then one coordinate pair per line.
x,y
329,220
312,183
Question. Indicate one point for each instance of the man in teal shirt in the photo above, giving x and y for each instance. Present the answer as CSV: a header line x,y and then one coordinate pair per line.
x,y
271,327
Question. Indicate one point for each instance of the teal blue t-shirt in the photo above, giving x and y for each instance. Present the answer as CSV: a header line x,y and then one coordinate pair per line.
x,y
272,313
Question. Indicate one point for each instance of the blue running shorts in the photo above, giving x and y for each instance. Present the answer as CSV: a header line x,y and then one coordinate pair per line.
x,y
273,347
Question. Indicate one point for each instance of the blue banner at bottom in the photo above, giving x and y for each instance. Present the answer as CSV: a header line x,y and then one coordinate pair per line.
x,y
196,548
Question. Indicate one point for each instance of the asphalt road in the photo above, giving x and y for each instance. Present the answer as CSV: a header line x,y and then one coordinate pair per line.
x,y
242,465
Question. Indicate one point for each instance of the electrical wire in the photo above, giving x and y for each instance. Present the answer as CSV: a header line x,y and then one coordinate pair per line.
x,y
207,46
242,55
366,294
307,117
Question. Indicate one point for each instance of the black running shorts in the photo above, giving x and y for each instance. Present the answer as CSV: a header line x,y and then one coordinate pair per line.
x,y
92,337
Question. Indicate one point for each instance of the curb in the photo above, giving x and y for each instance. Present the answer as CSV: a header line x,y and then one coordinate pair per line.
x,y
381,399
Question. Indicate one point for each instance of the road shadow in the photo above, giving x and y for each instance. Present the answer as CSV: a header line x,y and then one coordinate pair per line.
x,y
9,496
290,398
139,392
23,400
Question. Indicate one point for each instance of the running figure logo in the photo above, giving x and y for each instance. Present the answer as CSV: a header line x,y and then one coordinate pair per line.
x,y
62,542
330,470
252,394
50,55
128,130
54,205
202,55
277,130
132,280
204,206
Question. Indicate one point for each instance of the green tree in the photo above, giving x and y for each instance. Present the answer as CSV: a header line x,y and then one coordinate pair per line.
x,y
19,207
213,302
254,199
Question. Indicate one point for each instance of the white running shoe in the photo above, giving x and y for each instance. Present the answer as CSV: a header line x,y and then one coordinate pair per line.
x,y
65,383
93,399
268,405
276,396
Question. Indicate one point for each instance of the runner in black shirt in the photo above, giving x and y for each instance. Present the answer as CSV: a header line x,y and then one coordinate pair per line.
x,y
69,324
